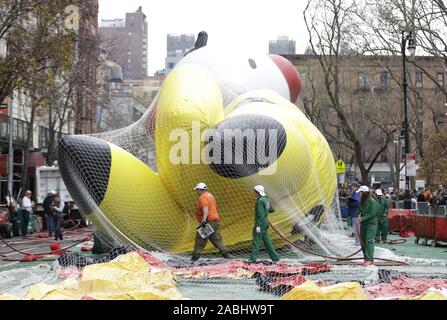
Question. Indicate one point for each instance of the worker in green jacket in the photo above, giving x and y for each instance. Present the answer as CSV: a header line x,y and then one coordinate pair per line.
x,y
382,228
261,226
369,210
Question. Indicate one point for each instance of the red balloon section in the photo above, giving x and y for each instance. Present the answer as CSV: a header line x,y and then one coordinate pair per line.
x,y
291,74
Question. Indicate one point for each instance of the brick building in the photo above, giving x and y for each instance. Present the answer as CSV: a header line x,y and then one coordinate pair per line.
x,y
370,93
126,41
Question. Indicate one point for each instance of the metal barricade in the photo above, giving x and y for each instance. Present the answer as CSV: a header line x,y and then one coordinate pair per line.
x,y
423,208
439,210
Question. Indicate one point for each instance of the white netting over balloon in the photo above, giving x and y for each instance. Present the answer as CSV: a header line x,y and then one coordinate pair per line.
x,y
227,120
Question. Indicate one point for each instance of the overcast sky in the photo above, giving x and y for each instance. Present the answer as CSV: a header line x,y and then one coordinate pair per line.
x,y
232,23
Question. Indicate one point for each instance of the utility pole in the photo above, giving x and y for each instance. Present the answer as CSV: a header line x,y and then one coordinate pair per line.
x,y
11,147
412,49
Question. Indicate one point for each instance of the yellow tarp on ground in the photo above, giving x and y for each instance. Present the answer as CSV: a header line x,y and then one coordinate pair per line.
x,y
6,296
429,295
311,291
127,277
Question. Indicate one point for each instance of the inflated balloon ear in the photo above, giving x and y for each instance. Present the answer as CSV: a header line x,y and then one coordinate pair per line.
x,y
290,74
202,40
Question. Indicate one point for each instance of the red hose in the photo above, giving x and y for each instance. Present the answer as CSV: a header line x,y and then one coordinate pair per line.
x,y
347,258
40,255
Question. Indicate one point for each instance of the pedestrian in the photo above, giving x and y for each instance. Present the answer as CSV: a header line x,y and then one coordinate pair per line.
x,y
27,210
420,197
58,212
382,228
261,226
343,199
353,203
443,199
369,210
427,194
434,198
206,212
48,212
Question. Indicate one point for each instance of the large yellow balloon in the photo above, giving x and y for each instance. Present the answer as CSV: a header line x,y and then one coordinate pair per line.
x,y
157,210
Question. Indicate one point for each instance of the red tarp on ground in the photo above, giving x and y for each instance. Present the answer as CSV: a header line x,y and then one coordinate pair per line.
x,y
230,269
241,268
404,287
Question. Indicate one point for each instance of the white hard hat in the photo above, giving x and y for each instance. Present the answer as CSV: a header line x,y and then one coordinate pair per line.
x,y
260,190
200,186
52,192
362,189
379,192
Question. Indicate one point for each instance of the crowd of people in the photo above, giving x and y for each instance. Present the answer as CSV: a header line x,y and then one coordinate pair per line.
x,y
53,213
367,210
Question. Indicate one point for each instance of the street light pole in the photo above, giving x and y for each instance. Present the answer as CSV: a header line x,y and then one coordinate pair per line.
x,y
10,147
411,48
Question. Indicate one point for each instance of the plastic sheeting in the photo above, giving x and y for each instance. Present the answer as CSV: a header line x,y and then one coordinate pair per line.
x,y
311,291
126,277
405,287
241,269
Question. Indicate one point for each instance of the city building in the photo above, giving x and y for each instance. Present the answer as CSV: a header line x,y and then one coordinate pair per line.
x,y
370,93
177,45
87,59
126,40
282,45
83,109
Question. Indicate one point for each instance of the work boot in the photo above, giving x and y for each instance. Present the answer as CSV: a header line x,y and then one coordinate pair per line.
x,y
226,255
195,257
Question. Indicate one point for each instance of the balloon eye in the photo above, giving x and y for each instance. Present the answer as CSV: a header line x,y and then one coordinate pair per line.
x,y
252,63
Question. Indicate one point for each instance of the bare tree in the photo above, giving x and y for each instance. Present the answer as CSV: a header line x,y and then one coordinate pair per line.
x,y
331,24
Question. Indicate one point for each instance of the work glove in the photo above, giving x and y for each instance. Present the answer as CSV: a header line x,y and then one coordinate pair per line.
x,y
258,229
203,224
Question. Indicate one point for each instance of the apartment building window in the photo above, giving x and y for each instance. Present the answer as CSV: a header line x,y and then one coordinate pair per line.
x,y
340,79
303,77
440,78
418,79
384,79
361,80
361,102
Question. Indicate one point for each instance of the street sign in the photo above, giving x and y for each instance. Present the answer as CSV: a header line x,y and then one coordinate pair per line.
x,y
411,164
340,166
